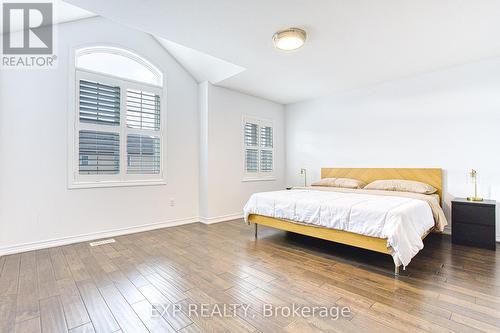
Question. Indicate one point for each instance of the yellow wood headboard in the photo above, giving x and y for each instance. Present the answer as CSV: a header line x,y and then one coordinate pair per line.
x,y
430,176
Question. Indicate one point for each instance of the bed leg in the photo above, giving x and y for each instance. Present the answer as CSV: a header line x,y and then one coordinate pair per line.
x,y
396,270
256,230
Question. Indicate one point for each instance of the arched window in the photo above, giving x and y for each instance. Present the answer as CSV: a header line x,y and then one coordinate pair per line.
x,y
118,123
118,63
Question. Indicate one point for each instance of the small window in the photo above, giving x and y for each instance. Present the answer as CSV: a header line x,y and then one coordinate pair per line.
x,y
118,120
258,149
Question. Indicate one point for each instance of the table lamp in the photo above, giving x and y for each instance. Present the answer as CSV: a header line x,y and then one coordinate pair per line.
x,y
473,178
304,172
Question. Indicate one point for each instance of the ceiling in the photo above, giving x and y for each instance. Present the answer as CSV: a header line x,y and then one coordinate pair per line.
x,y
63,12
202,66
350,44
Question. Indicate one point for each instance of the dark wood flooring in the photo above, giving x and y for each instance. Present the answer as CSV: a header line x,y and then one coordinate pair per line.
x,y
111,288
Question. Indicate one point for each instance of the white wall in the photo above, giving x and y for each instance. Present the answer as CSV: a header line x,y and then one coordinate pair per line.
x,y
223,192
448,119
35,203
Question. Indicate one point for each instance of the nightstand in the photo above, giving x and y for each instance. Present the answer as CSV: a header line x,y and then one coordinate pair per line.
x,y
473,223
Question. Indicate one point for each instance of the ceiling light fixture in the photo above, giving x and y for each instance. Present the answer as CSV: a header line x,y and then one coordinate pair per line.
x,y
289,39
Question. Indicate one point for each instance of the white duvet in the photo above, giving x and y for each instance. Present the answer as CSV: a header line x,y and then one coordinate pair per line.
x,y
401,220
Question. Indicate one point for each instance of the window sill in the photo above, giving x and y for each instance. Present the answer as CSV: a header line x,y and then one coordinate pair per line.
x,y
258,179
82,185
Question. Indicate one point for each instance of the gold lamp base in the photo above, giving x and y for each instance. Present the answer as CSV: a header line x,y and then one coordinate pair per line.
x,y
474,199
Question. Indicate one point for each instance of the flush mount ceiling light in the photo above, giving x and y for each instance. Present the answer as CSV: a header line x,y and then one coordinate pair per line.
x,y
289,39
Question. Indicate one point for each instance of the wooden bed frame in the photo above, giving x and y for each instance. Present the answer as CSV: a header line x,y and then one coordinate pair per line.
x,y
430,176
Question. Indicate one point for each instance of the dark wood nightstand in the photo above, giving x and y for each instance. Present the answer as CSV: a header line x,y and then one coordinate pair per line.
x,y
473,223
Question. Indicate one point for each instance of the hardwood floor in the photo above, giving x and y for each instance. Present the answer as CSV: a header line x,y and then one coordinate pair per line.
x,y
111,288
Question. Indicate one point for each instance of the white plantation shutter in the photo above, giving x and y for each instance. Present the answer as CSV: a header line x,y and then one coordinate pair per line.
x,y
143,110
99,153
143,154
266,137
266,144
251,134
259,148
266,160
118,130
252,160
251,144
99,103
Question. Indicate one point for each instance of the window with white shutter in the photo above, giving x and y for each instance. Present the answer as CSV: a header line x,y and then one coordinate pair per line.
x,y
99,153
99,103
143,110
266,146
143,154
252,160
118,124
258,149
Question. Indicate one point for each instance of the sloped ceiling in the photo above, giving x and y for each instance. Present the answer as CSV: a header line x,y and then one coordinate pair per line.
x,y
202,66
350,44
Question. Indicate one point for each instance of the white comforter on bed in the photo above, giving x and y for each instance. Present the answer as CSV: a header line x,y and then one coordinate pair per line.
x,y
401,220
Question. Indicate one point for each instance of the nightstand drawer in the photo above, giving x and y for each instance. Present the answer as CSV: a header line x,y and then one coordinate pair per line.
x,y
474,214
474,235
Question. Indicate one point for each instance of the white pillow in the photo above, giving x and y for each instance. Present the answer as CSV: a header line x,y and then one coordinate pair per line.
x,y
340,182
401,185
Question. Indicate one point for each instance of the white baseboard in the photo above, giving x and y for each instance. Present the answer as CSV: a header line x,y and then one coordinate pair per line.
x,y
92,236
222,218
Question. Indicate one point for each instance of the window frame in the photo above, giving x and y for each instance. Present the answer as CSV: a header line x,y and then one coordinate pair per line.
x,y
259,175
77,180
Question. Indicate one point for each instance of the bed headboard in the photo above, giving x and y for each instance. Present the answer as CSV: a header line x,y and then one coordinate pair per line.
x,y
426,175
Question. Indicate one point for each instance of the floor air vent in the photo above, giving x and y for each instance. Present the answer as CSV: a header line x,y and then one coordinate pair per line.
x,y
102,242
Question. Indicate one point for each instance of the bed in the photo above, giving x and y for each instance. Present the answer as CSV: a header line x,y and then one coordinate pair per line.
x,y
393,223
